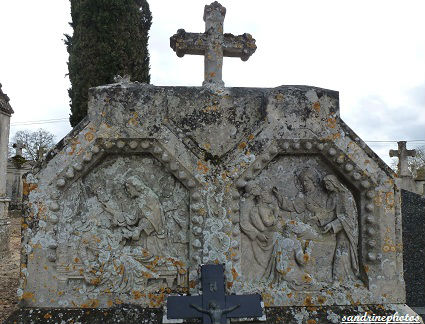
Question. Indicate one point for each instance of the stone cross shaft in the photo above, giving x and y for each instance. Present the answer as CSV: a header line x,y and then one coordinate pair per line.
x,y
18,146
402,153
213,44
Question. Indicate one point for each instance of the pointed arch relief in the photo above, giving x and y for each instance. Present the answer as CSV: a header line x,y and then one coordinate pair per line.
x,y
306,218
125,220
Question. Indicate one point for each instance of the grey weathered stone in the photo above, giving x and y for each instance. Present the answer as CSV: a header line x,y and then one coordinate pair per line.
x,y
220,176
5,112
17,166
213,44
405,178
4,237
133,314
270,182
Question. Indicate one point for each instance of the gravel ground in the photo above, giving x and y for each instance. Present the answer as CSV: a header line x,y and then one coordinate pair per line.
x,y
9,272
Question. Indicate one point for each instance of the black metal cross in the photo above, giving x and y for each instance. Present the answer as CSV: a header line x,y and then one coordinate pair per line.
x,y
214,306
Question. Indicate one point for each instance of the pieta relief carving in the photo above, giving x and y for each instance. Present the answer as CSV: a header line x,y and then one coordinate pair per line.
x,y
125,226
300,226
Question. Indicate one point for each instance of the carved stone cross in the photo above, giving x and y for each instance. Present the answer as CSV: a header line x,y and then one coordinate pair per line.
x,y
402,153
213,306
213,44
18,146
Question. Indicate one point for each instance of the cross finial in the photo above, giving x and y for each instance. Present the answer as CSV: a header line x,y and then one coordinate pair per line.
x,y
18,146
402,153
213,44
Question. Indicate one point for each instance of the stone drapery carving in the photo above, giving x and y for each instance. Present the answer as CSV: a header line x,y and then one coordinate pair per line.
x,y
306,240
135,130
278,255
342,207
128,229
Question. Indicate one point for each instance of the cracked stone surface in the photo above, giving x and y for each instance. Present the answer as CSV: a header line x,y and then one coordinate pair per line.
x,y
159,180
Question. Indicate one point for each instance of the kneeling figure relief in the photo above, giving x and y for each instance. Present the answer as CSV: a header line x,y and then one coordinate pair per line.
x,y
126,225
299,227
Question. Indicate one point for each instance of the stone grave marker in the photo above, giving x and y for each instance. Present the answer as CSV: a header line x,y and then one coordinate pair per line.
x,y
6,112
213,44
157,181
403,172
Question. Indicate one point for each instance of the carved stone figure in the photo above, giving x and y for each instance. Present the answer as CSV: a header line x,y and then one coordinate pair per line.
x,y
214,311
276,250
304,211
331,219
141,218
308,202
345,225
120,239
259,217
287,262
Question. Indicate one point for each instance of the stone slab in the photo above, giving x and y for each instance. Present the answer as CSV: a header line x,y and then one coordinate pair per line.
x,y
413,211
157,180
131,314
4,238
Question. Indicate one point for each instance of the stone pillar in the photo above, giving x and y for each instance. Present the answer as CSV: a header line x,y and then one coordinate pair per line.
x,y
5,113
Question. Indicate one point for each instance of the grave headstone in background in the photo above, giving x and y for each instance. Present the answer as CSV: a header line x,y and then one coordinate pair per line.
x,y
17,166
157,181
405,177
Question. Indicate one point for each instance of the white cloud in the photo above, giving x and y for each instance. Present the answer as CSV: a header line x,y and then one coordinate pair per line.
x,y
372,52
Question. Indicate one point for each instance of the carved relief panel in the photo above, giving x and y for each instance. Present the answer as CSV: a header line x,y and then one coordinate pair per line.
x,y
300,226
125,227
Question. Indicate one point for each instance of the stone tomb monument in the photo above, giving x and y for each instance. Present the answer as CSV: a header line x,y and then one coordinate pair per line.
x,y
156,181
6,112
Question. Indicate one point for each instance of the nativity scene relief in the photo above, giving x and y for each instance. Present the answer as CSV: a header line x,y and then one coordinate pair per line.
x,y
129,229
299,227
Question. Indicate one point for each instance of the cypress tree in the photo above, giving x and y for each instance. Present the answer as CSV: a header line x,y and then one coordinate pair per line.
x,y
110,37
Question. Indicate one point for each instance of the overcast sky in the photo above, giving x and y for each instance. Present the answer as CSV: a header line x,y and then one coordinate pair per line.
x,y
372,52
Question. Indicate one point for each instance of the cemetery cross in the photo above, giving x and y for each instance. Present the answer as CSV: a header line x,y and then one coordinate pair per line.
x,y
213,44
214,306
402,153
19,146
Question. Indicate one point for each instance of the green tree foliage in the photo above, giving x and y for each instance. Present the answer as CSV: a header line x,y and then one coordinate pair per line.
x,y
110,38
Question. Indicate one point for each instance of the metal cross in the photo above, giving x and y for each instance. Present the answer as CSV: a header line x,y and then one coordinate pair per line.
x,y
213,44
214,306
402,153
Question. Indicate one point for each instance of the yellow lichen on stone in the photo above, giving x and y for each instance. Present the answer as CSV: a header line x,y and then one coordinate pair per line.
x,y
316,106
133,120
202,167
331,122
279,97
89,136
